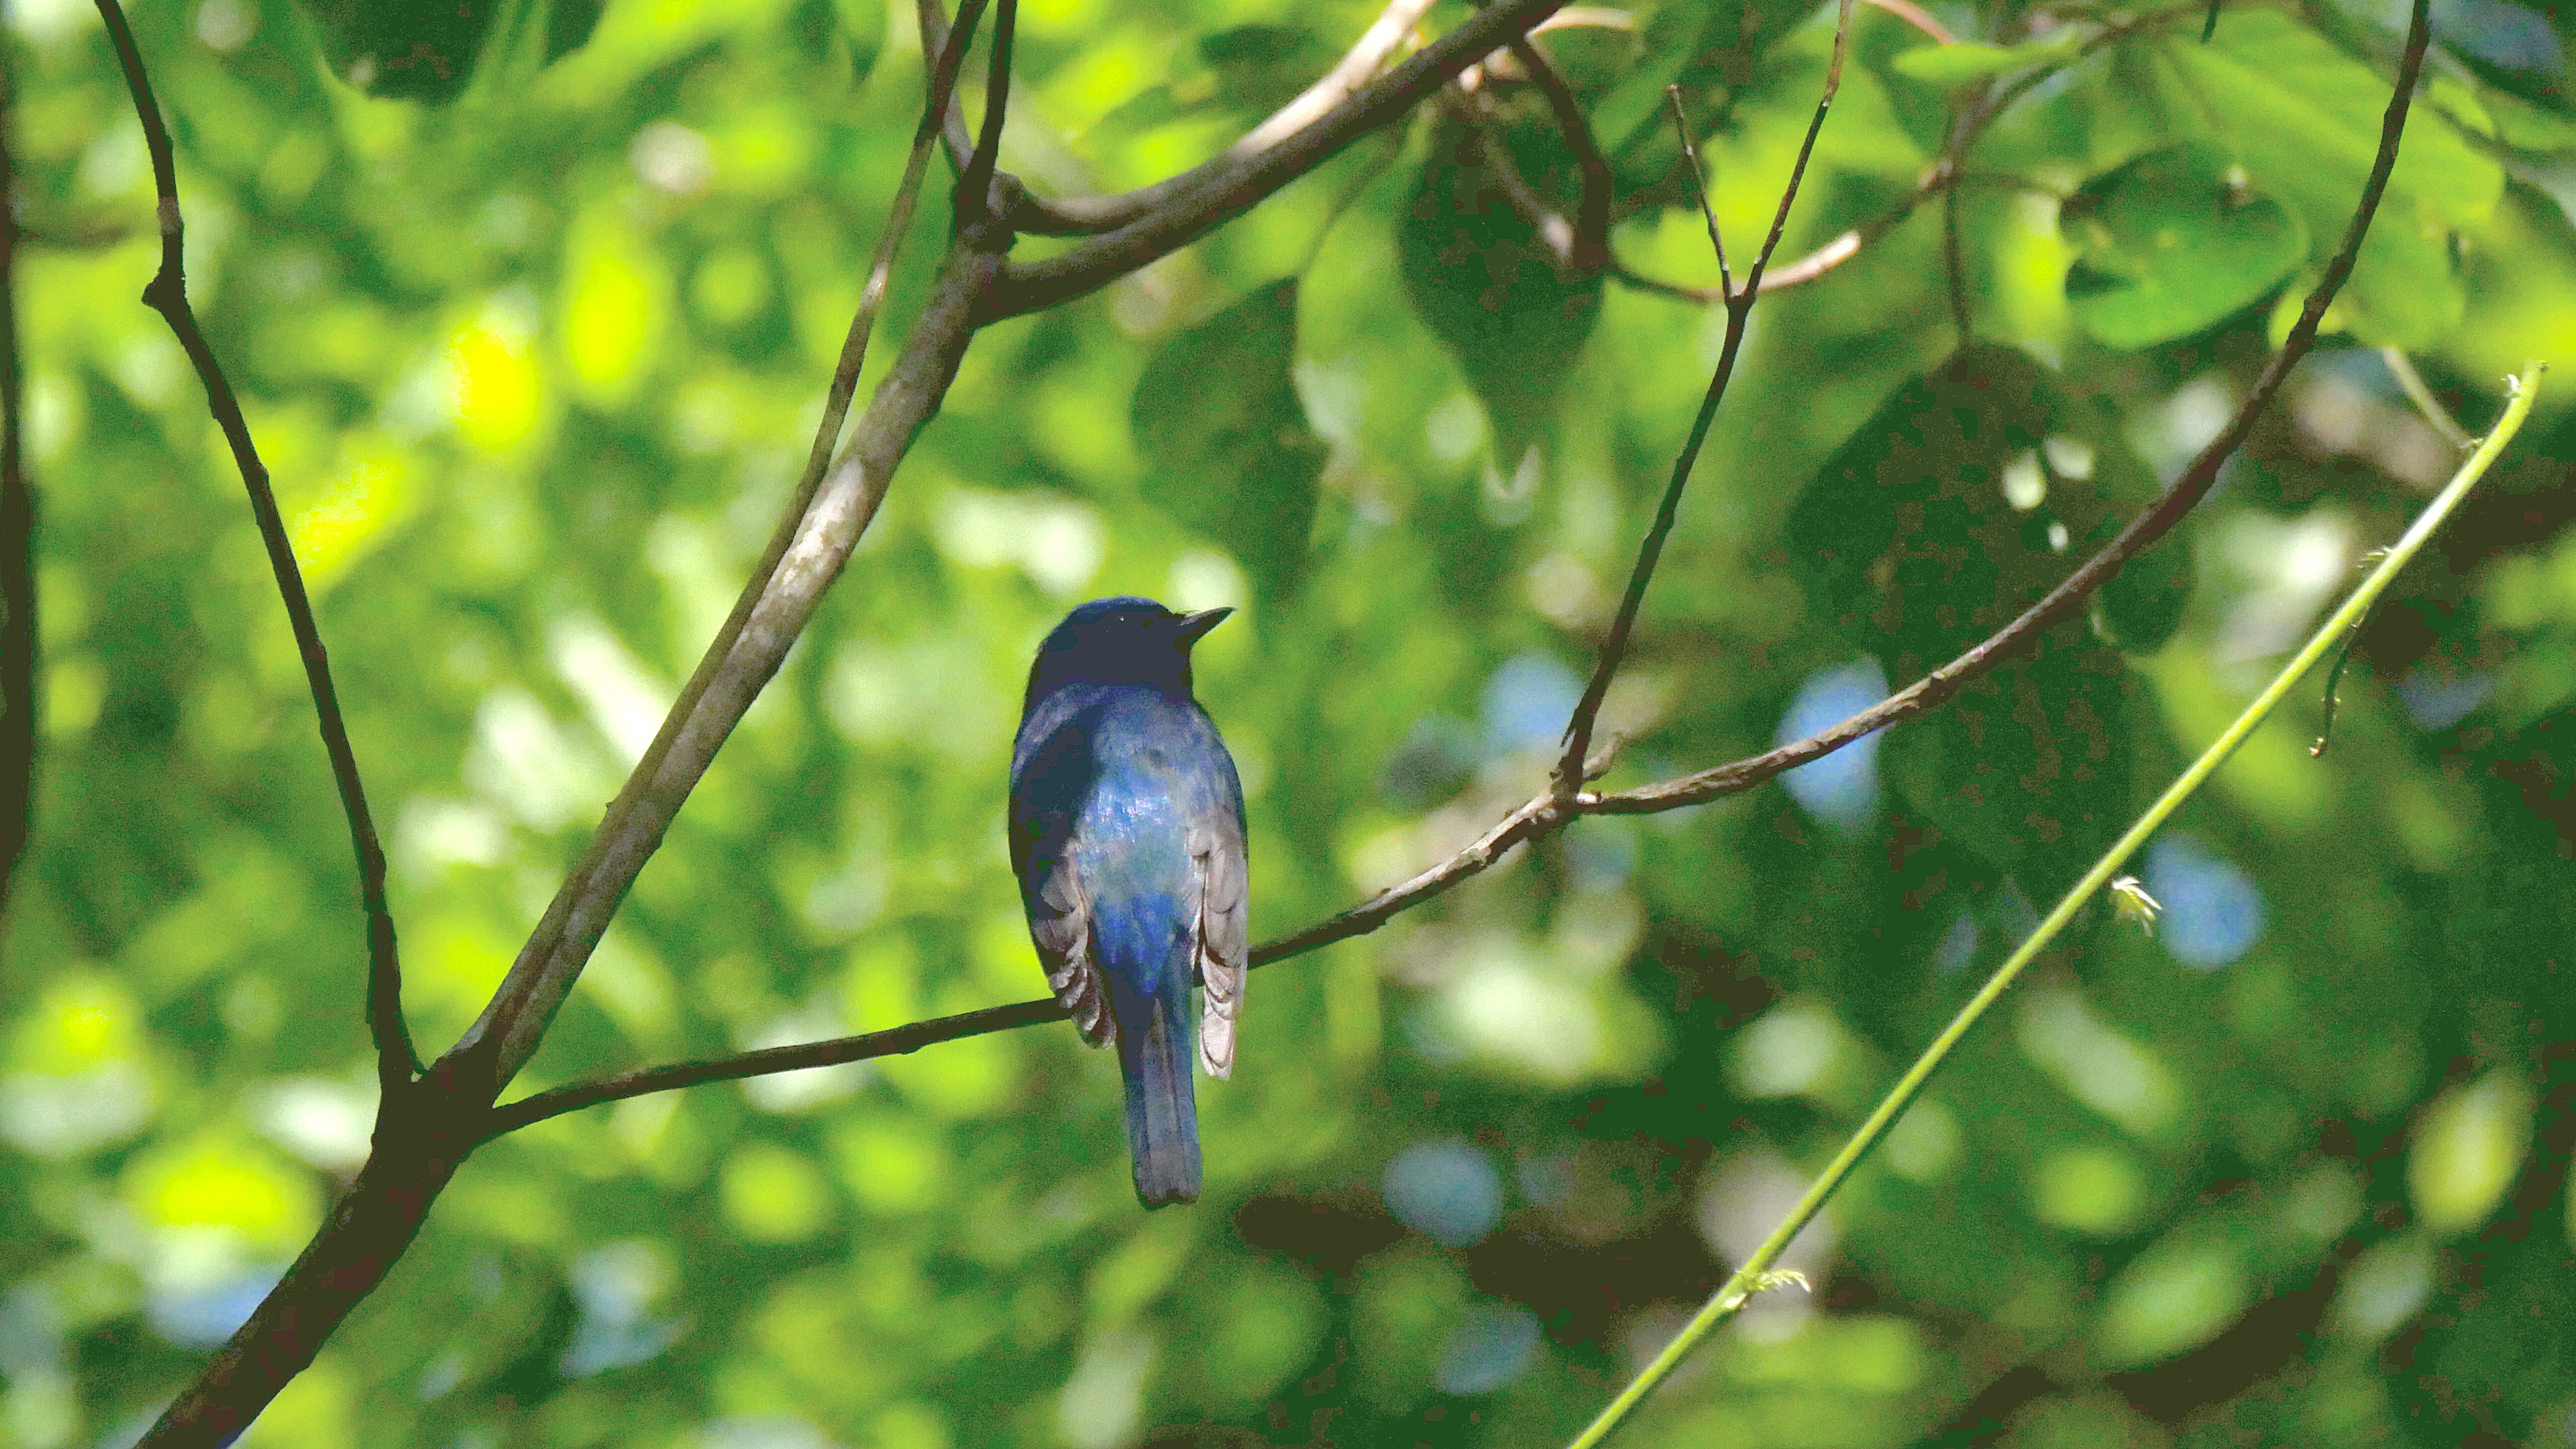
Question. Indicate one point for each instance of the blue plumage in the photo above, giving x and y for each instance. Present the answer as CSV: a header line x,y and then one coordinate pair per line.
x,y
1127,836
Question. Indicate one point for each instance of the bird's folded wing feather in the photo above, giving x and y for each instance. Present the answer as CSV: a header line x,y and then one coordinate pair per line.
x,y
1060,924
1224,943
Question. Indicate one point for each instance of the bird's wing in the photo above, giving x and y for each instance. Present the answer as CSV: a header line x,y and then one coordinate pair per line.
x,y
1046,766
1060,925
1224,880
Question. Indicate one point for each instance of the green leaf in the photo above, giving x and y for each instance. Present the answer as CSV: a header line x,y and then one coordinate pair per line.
x,y
2172,243
1952,65
2142,605
2029,766
1486,283
2304,119
1906,536
1936,524
1231,451
405,51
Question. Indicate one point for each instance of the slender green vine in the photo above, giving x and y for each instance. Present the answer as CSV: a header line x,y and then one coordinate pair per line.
x,y
1756,1273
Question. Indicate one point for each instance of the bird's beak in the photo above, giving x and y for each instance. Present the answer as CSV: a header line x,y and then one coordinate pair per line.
x,y
1194,627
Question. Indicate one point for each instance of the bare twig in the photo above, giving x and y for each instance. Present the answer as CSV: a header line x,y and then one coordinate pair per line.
x,y
167,294
949,117
1739,313
1938,179
943,63
1916,16
1699,190
1591,249
975,183
17,540
1492,149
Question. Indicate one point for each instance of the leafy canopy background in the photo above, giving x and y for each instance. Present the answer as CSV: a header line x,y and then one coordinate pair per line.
x,y
532,338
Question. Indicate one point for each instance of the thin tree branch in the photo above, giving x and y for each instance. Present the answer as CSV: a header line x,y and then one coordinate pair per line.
x,y
974,185
1739,313
1699,189
1591,249
949,119
17,537
498,1044
1494,151
1190,205
894,1042
2411,382
167,294
1548,812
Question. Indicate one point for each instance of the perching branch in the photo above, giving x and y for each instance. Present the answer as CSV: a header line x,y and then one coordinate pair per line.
x,y
1739,313
167,294
1550,811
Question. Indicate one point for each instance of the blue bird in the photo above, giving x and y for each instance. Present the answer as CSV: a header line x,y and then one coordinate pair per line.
x,y
1127,837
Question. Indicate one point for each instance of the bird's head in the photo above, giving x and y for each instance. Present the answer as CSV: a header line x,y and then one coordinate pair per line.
x,y
1125,640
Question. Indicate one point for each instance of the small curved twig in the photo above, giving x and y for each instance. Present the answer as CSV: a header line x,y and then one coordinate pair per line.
x,y
1591,233
1739,313
1947,171
167,293
975,183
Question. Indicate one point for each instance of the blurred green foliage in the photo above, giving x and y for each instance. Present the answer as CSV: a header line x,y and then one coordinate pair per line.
x,y
533,353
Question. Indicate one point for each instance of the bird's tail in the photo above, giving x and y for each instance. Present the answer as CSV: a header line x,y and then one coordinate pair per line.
x,y
1154,1055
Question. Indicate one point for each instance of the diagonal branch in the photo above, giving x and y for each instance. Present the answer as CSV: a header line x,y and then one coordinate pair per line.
x,y
1092,215
975,183
1190,205
1739,314
167,294
519,990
